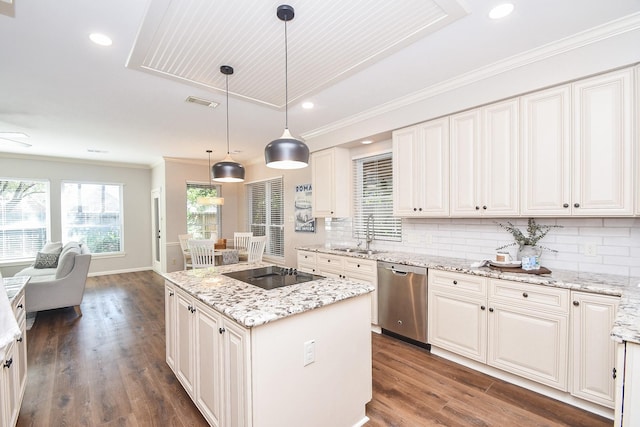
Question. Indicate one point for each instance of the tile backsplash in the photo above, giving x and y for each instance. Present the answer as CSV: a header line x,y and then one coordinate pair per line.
x,y
594,245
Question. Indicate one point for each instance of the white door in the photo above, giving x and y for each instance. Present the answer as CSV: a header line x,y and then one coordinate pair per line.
x,y
156,233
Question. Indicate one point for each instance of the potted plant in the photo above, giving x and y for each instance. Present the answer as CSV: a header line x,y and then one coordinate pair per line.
x,y
528,244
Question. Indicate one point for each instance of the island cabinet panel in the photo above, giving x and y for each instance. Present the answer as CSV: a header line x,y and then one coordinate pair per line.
x,y
307,262
593,350
208,365
170,323
330,265
627,385
330,183
184,326
421,170
13,368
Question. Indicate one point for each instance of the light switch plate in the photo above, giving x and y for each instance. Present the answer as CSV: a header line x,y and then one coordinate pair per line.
x,y
309,352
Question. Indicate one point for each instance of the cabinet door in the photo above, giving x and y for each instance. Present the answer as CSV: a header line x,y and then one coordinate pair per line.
x,y
546,153
170,323
433,163
235,357
499,166
529,343
208,364
9,382
593,349
330,179
185,370
457,323
407,182
465,163
602,182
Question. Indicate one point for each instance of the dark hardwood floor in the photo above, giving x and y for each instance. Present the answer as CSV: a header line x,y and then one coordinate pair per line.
x,y
107,368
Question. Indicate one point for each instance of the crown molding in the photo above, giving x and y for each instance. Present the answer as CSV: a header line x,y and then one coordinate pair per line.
x,y
576,41
104,163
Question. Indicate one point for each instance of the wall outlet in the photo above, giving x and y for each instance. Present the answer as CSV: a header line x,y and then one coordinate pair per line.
x,y
590,249
309,352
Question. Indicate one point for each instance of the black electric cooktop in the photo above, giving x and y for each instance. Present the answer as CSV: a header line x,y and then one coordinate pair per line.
x,y
272,277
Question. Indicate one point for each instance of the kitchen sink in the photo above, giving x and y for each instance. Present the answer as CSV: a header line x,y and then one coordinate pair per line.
x,y
357,251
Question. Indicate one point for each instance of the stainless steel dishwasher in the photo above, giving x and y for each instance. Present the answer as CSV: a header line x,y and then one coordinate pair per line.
x,y
402,300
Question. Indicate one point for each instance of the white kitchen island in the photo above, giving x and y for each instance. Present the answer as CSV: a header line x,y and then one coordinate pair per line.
x,y
298,355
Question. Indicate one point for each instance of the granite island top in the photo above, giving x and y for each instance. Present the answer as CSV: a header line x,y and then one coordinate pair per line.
x,y
252,306
13,285
625,328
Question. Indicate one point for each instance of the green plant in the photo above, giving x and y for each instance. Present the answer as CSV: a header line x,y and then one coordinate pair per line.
x,y
535,233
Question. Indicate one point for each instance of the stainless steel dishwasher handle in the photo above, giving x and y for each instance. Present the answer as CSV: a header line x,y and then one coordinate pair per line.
x,y
399,273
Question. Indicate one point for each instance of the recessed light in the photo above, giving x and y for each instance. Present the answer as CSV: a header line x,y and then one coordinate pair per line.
x,y
202,101
307,105
100,39
501,11
366,141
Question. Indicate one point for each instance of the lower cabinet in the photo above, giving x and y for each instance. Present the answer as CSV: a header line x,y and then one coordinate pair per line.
x,y
553,336
210,358
13,374
627,411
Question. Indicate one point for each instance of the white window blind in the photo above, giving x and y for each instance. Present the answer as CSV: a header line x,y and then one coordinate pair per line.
x,y
265,203
24,218
373,198
92,214
203,219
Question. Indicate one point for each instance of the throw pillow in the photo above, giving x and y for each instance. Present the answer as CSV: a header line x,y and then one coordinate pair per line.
x,y
52,248
45,260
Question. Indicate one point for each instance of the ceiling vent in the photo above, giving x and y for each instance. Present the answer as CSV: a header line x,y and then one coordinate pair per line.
x,y
202,101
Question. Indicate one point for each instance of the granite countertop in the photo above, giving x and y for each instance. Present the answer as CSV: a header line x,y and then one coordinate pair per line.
x,y
252,306
625,328
13,285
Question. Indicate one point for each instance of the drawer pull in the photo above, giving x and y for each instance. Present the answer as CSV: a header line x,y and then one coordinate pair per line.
x,y
566,205
482,307
222,330
526,295
576,303
20,306
491,310
613,373
8,363
455,282
576,205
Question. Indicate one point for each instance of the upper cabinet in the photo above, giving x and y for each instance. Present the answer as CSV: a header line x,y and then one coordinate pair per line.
x,y
331,183
484,161
584,169
421,170
602,183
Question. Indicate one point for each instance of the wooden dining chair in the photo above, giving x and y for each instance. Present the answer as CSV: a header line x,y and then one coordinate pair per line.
x,y
241,242
255,250
184,245
202,252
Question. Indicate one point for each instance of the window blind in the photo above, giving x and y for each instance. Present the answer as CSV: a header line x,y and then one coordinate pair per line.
x,y
373,198
265,203
24,218
92,214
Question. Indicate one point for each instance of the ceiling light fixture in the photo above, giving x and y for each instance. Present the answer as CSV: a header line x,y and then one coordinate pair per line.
x,y
366,142
100,39
501,11
307,105
286,152
209,200
227,170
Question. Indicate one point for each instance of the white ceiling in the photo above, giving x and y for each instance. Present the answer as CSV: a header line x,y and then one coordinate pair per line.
x,y
126,103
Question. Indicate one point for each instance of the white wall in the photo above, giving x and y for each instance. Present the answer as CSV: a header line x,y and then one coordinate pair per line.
x,y
137,204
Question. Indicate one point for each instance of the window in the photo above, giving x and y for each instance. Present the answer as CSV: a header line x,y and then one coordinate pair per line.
x,y
92,214
373,199
24,218
265,202
203,210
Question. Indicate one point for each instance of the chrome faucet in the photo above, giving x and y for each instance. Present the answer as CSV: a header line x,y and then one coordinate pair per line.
x,y
370,233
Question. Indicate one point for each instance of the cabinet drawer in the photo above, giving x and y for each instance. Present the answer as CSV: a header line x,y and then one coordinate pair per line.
x,y
330,263
531,296
19,308
360,266
307,261
458,282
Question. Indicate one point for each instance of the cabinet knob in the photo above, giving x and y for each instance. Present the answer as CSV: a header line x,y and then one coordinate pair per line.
x,y
455,282
576,205
20,305
19,339
358,265
399,322
613,373
415,209
576,303
526,295
482,307
170,294
222,330
477,208
484,207
491,310
420,209
8,363
566,205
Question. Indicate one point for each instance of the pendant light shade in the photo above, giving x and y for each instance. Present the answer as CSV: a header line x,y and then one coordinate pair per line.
x,y
209,200
286,152
227,170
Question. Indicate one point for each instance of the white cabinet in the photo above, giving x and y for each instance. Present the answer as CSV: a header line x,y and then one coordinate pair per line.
x,y
603,145
528,331
457,316
421,170
211,359
170,323
13,374
627,412
343,267
331,183
546,153
593,350
484,161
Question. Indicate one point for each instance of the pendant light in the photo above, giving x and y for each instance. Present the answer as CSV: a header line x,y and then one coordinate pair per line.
x,y
286,152
209,200
227,170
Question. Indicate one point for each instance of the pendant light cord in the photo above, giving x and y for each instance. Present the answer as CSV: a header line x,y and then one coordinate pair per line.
x,y
286,78
227,78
